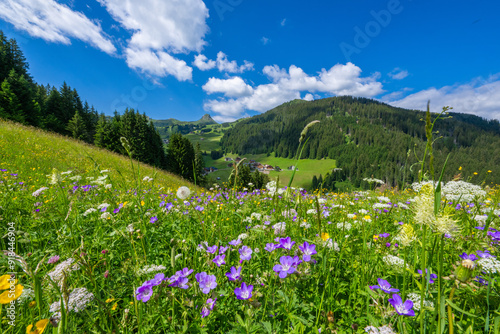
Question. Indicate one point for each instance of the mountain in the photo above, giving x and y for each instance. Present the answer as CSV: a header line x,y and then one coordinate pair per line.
x,y
169,126
369,138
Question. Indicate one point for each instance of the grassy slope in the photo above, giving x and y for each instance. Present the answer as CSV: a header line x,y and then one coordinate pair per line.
x,y
32,152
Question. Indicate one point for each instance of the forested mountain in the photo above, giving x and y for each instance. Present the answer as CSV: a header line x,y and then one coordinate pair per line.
x,y
371,139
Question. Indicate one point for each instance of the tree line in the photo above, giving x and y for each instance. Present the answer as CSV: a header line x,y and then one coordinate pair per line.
x,y
62,111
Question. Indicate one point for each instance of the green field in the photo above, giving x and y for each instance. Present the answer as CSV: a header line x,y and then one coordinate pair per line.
x,y
307,168
208,141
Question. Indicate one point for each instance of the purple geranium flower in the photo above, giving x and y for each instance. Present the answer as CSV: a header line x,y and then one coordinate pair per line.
x,y
153,219
158,279
286,243
432,277
235,242
286,267
486,254
235,274
223,249
384,286
212,250
307,250
384,235
219,260
402,308
144,292
471,257
245,253
206,282
270,247
245,292
205,311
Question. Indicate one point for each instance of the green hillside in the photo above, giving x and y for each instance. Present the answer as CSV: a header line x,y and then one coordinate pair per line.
x,y
34,154
368,138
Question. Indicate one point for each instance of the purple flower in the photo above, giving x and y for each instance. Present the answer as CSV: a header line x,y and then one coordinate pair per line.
x,y
235,274
179,282
245,292
206,282
205,311
158,279
384,286
270,247
235,242
185,272
223,249
212,250
153,219
53,259
286,243
144,292
402,308
481,280
432,277
471,257
286,267
219,260
388,245
307,250
486,254
384,235
245,253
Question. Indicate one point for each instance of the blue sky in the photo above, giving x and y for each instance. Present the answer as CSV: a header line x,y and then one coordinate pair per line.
x,y
237,58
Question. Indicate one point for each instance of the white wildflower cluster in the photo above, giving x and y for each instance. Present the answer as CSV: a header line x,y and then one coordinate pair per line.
x,y
105,215
105,171
102,206
321,201
340,206
183,192
256,216
490,265
305,225
351,215
76,178
311,211
379,330
381,206
79,298
384,199
402,205
27,294
363,211
344,226
67,172
279,228
415,298
289,213
329,243
417,186
147,179
63,268
394,261
242,236
481,219
248,219
373,180
463,191
55,177
153,268
101,180
39,191
108,186
89,211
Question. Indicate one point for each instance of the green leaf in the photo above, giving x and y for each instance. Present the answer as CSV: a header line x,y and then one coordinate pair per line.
x,y
459,309
240,321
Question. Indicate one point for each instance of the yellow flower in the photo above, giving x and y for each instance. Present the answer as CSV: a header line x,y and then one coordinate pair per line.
x,y
109,300
460,168
475,173
6,296
4,282
375,237
40,327
114,306
489,171
142,203
325,236
32,304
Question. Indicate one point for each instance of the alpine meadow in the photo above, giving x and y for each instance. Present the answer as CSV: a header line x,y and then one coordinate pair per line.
x,y
339,202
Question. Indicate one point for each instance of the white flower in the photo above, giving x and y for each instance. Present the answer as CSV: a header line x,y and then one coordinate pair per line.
x,y
381,206
311,211
79,298
147,179
130,228
63,268
89,211
395,262
106,215
481,220
279,228
242,236
329,243
463,191
76,178
105,171
102,206
346,226
39,192
363,211
108,186
150,269
183,192
321,201
256,215
415,298
305,225
490,265
384,199
373,180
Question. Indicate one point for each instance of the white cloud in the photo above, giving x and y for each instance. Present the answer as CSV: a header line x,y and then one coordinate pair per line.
x,y
398,73
480,97
233,87
158,63
222,64
54,22
283,22
309,97
264,40
159,29
288,85
203,63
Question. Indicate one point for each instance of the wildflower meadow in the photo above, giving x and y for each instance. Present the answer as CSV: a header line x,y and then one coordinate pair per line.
x,y
117,248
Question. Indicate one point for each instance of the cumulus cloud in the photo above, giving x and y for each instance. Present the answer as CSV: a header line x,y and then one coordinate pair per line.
x,y
308,97
54,22
222,64
159,29
288,85
398,74
233,87
480,97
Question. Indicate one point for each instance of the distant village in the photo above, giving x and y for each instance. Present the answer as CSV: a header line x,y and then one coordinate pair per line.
x,y
254,166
